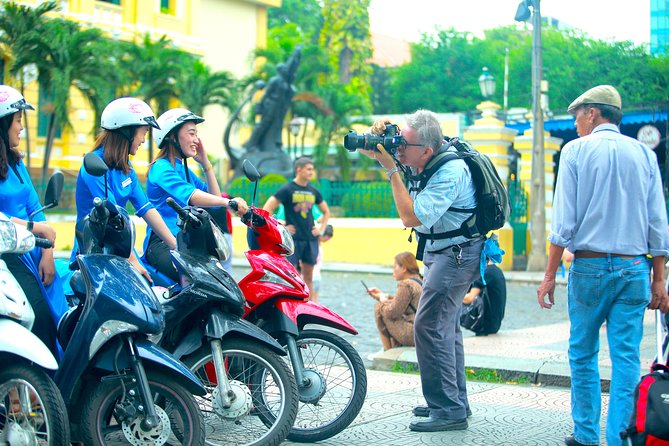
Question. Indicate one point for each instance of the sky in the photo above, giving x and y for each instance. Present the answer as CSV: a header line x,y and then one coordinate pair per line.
x,y
601,19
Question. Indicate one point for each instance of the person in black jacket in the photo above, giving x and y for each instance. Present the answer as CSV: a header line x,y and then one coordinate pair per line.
x,y
494,295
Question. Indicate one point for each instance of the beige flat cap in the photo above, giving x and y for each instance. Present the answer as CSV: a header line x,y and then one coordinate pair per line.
x,y
601,94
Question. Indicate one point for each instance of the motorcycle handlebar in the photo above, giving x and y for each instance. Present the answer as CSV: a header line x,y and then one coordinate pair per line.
x,y
43,243
178,209
183,213
232,204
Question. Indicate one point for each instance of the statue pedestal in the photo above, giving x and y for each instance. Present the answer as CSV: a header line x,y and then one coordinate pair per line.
x,y
275,161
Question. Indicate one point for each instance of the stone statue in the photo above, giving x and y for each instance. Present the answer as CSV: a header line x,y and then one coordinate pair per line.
x,y
265,146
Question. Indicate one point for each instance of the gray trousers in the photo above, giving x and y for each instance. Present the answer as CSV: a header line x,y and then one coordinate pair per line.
x,y
439,348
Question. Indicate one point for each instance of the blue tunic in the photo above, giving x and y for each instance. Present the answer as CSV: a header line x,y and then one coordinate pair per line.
x,y
165,180
122,188
18,198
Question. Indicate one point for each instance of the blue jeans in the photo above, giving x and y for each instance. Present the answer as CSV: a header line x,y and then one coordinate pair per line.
x,y
616,291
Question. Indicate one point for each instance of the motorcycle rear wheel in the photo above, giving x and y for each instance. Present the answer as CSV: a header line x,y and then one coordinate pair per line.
x,y
266,392
343,375
41,420
100,426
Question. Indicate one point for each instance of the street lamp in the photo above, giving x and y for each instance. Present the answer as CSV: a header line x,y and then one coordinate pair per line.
x,y
487,83
536,261
294,127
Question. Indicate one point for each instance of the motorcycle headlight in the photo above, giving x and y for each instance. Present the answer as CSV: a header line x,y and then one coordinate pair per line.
x,y
286,241
107,331
222,245
7,236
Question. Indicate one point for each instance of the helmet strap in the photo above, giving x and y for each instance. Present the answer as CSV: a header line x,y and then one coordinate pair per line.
x,y
181,154
128,133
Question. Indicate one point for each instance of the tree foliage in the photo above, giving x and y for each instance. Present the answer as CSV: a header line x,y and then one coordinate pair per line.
x,y
444,69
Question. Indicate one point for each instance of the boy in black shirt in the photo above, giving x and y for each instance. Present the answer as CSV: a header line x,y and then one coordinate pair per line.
x,y
298,197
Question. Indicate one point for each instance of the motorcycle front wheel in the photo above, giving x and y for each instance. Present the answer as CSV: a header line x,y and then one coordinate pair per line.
x,y
32,410
264,404
107,416
336,387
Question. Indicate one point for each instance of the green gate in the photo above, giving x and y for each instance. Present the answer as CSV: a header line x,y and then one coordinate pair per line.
x,y
518,201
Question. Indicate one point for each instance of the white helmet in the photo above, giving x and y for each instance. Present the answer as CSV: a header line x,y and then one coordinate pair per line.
x,y
171,119
11,101
124,112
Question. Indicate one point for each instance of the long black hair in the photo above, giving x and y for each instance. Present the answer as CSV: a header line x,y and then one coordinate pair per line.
x,y
8,156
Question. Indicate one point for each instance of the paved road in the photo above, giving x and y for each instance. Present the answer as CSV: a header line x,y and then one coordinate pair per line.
x,y
343,293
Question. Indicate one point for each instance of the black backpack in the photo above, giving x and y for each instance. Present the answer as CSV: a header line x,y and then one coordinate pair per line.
x,y
649,424
492,209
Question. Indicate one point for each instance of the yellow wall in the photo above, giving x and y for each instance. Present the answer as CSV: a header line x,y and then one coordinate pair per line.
x,y
366,241
223,32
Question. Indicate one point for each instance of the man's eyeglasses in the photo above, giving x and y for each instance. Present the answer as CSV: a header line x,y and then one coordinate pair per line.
x,y
405,144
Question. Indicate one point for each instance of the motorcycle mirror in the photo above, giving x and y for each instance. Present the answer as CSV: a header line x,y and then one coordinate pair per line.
x,y
54,189
250,171
96,167
252,174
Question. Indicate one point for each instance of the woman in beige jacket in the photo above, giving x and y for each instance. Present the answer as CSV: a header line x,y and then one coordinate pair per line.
x,y
394,315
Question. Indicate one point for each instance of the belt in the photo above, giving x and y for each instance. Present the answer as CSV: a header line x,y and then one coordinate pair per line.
x,y
599,255
458,245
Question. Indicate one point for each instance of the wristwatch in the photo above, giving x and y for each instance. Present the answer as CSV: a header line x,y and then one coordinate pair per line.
x,y
390,172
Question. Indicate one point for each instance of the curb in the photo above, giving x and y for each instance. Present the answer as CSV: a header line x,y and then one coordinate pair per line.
x,y
401,360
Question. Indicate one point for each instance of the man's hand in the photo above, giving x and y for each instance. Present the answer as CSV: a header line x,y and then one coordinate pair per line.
x,y
379,126
547,287
382,156
658,296
291,229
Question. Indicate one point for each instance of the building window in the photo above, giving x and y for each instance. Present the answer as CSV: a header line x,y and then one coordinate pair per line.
x,y
113,2
45,103
168,7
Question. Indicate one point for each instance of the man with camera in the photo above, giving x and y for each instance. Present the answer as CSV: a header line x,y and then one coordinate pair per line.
x,y
451,262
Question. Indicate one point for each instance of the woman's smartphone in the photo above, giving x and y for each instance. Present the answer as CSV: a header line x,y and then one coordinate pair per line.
x,y
365,285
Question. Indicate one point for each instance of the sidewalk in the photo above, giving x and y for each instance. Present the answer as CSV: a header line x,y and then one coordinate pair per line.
x,y
502,414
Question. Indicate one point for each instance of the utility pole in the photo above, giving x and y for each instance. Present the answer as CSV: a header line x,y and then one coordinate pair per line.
x,y
537,258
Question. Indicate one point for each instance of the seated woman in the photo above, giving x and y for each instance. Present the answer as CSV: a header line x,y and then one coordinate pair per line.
x,y
394,315
169,176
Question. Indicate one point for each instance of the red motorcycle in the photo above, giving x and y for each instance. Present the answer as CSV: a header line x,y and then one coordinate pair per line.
x,y
330,375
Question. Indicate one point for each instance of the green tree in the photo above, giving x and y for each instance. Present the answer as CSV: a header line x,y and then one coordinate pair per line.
x,y
305,15
21,28
199,87
154,68
66,57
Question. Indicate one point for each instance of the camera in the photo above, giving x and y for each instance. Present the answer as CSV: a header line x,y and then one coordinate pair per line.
x,y
390,140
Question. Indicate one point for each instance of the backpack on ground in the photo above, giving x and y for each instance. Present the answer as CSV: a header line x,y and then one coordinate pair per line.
x,y
492,209
649,424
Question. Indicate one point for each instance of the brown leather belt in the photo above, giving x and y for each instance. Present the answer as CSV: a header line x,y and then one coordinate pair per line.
x,y
599,255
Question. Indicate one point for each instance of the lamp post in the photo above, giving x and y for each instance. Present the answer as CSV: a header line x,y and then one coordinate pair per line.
x,y
487,83
294,127
537,258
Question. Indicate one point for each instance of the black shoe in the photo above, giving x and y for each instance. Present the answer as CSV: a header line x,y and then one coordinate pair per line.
x,y
438,425
424,411
571,441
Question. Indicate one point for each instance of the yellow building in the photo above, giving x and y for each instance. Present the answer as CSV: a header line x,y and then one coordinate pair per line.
x,y
223,32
